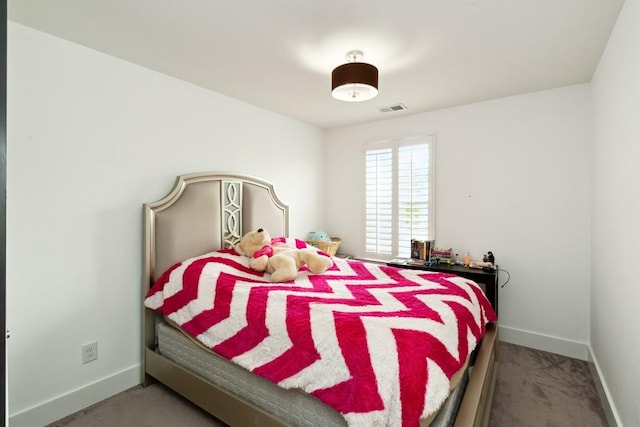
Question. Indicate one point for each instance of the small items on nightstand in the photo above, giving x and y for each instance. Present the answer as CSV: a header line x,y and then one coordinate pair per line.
x,y
487,264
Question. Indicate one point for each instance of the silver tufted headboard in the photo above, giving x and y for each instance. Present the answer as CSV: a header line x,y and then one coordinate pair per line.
x,y
205,212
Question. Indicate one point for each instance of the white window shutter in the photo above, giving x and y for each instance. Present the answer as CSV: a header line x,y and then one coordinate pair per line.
x,y
399,183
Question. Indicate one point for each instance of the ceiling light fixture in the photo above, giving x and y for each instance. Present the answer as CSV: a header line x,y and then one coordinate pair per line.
x,y
354,81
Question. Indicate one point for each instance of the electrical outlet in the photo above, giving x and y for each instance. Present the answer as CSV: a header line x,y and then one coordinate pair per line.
x,y
90,352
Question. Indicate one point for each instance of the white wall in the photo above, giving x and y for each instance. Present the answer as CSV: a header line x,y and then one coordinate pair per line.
x,y
615,293
512,176
91,138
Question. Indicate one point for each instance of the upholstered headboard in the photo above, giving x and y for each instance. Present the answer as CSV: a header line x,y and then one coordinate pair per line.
x,y
205,212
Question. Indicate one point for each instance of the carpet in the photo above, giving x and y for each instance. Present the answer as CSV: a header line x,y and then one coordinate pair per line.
x,y
539,389
533,389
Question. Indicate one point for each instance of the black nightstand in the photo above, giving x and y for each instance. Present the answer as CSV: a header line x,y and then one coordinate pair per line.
x,y
488,280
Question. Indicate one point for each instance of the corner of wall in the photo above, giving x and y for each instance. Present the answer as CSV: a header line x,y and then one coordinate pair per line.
x,y
613,419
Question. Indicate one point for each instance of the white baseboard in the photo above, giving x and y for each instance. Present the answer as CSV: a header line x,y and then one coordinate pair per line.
x,y
610,411
77,400
93,393
575,349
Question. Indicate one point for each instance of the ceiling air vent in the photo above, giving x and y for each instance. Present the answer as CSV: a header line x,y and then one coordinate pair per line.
x,y
395,107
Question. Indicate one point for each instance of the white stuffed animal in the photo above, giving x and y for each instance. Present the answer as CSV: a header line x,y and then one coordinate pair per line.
x,y
278,259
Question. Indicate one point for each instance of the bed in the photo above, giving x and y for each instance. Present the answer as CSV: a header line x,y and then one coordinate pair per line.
x,y
203,216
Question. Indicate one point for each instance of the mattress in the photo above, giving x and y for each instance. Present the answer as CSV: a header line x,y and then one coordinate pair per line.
x,y
293,406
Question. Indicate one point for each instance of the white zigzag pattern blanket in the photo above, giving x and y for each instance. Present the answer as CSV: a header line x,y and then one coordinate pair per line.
x,y
377,343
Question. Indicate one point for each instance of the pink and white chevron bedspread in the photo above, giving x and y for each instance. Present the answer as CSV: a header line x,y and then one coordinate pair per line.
x,y
377,343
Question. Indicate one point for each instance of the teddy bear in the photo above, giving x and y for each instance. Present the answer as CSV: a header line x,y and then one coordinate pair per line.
x,y
279,259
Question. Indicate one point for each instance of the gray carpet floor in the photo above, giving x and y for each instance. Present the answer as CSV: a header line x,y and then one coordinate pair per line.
x,y
540,389
534,388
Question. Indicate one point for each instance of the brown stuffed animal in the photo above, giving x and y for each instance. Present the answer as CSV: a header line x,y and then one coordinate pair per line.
x,y
278,259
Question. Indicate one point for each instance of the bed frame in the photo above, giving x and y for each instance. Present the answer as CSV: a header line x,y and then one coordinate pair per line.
x,y
209,211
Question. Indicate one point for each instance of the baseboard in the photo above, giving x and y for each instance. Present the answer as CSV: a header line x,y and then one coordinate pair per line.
x,y
575,349
76,400
613,419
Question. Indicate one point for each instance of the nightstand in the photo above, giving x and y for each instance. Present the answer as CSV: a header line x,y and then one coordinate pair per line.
x,y
488,280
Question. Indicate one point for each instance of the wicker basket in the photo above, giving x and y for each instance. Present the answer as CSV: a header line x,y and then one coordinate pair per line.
x,y
325,246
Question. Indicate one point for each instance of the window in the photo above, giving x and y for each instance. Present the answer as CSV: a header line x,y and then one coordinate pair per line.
x,y
398,195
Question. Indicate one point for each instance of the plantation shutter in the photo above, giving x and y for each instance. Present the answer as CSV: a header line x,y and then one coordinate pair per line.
x,y
379,201
399,182
413,196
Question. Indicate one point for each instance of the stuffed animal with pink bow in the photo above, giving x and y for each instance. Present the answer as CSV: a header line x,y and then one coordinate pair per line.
x,y
279,259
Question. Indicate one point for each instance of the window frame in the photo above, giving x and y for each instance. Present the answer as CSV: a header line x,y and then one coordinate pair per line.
x,y
394,145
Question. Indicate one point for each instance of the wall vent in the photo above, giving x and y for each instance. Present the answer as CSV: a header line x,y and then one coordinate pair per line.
x,y
395,107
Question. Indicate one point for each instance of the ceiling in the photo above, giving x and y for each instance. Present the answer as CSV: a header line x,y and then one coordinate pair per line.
x,y
278,54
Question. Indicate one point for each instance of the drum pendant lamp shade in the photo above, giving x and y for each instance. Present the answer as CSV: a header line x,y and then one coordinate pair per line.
x,y
354,81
